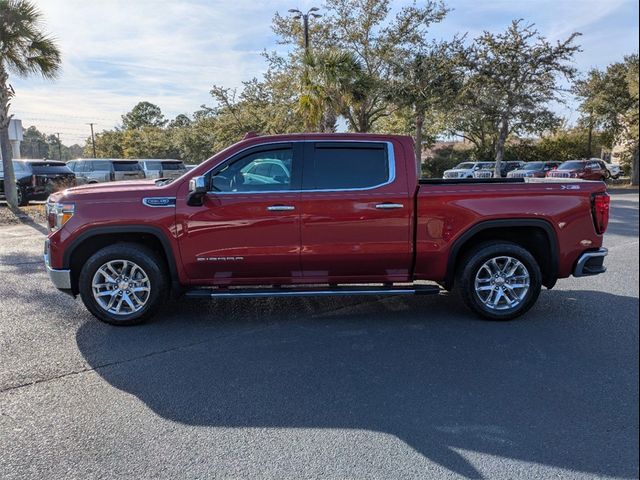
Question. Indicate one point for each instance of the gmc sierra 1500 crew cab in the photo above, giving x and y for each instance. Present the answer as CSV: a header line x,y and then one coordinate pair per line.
x,y
321,214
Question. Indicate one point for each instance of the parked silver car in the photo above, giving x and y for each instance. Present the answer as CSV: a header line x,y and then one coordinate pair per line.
x,y
97,170
162,168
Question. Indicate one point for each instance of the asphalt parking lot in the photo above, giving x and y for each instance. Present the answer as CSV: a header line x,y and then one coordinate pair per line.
x,y
400,387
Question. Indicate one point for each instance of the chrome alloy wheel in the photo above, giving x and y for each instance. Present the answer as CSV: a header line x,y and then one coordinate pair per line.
x,y
121,287
502,283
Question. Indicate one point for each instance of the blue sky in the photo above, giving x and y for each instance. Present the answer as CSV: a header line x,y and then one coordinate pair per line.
x,y
118,52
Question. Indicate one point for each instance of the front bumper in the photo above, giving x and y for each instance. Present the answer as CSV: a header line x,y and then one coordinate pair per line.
x,y
61,279
591,263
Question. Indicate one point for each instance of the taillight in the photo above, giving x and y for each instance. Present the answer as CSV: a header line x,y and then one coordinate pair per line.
x,y
600,208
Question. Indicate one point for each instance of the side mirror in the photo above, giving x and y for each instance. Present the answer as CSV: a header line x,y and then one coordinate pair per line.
x,y
197,191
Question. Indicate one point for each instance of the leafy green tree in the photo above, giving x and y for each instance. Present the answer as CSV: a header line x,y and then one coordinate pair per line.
x,y
196,142
144,114
513,77
109,144
268,106
609,99
329,82
24,50
148,142
427,82
34,144
372,35
180,121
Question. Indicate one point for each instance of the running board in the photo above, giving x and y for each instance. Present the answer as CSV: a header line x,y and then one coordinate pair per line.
x,y
310,292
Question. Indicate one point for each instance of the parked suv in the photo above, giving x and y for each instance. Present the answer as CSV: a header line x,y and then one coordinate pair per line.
x,y
466,169
37,179
105,170
505,168
584,169
534,170
169,168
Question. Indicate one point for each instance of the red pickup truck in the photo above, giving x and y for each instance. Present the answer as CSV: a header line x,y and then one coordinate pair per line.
x,y
321,214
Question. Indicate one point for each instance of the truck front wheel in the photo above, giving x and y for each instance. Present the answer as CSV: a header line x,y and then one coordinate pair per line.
x,y
123,284
499,280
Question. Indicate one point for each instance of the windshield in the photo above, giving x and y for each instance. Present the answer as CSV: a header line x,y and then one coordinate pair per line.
x,y
465,165
533,166
571,166
126,166
486,165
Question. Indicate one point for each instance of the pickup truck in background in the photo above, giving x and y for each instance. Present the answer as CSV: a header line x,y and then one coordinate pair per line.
x,y
321,214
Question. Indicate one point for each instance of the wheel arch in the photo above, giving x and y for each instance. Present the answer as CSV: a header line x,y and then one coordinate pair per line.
x,y
536,235
96,238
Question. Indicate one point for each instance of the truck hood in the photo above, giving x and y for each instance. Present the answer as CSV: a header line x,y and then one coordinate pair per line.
x,y
457,170
113,191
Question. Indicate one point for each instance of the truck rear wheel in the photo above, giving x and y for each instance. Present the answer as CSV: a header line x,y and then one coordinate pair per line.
x,y
499,280
123,284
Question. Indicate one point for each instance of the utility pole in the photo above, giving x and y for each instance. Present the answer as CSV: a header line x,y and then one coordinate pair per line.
x,y
59,146
93,139
305,22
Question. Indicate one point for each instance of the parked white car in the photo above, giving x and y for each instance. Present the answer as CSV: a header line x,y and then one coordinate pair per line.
x,y
614,168
467,169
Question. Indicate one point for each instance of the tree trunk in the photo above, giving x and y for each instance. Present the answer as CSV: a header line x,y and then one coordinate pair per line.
x,y
328,121
502,139
418,140
9,176
590,139
634,166
10,191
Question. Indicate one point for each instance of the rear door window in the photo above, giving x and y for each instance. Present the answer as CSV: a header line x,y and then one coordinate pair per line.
x,y
346,166
126,166
100,166
153,165
172,166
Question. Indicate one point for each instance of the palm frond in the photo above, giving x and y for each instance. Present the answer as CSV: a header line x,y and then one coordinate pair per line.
x,y
24,49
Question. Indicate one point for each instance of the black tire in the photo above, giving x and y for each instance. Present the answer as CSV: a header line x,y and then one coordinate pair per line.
x,y
147,260
23,200
472,264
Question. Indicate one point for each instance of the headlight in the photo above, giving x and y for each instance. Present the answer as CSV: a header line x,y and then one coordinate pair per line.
x,y
58,214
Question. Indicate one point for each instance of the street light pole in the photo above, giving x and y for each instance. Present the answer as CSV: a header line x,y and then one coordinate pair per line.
x,y
93,139
59,146
305,22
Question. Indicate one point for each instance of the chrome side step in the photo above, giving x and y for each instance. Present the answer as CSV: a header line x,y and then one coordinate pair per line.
x,y
235,292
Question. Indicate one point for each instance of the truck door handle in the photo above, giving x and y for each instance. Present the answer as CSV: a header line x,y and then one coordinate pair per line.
x,y
281,208
389,206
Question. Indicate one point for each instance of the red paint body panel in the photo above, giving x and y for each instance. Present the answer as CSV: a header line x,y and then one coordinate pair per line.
x,y
445,212
334,236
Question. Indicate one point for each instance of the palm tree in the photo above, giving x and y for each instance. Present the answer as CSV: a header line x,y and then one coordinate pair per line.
x,y
24,50
328,84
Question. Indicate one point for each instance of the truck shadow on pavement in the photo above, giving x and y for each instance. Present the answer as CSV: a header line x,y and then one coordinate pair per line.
x,y
558,387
